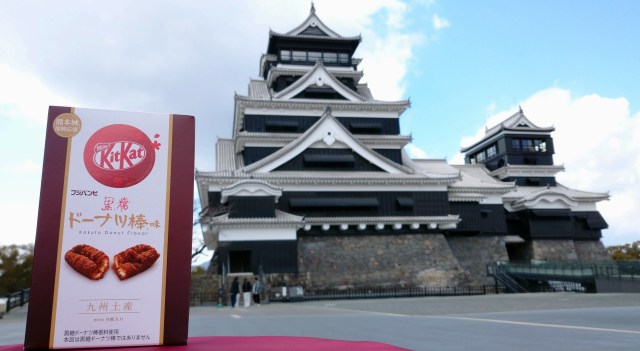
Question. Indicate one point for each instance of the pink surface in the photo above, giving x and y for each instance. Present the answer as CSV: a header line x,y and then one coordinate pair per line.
x,y
258,343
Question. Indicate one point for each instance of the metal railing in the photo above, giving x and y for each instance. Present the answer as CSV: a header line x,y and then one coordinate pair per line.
x,y
564,272
200,298
576,269
621,270
372,293
17,299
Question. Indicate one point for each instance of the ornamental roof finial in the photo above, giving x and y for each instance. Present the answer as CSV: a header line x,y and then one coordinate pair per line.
x,y
520,107
313,8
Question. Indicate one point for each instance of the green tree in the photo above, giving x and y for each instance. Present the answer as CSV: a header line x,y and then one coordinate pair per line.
x,y
625,252
198,271
16,262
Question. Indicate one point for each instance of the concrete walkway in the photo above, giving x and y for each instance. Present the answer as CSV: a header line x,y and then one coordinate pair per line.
x,y
556,321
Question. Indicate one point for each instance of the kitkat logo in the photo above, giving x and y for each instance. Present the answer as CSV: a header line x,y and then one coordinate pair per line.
x,y
120,155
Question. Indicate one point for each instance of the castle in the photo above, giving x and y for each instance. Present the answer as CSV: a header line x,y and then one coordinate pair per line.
x,y
315,180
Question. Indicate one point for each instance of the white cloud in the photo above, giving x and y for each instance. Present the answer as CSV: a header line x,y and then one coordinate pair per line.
x,y
491,109
25,166
385,72
25,96
24,102
387,46
598,141
416,152
127,56
439,22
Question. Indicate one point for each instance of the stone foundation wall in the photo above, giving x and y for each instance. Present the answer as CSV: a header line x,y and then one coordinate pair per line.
x,y
474,253
569,250
401,260
380,261
554,250
591,251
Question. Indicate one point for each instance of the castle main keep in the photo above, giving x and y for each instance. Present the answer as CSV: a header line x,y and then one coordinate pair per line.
x,y
315,180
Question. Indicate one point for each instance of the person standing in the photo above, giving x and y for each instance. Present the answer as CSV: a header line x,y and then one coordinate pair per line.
x,y
256,290
246,292
235,291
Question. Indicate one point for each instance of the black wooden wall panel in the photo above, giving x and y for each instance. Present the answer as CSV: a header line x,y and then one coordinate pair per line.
x,y
274,256
360,164
258,123
254,154
425,204
481,219
251,207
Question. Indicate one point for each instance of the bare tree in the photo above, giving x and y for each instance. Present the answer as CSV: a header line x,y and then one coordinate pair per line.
x,y
200,246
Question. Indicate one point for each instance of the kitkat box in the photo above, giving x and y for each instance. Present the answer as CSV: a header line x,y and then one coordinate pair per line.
x,y
113,242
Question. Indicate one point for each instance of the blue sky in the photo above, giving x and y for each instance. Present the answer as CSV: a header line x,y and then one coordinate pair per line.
x,y
492,57
465,65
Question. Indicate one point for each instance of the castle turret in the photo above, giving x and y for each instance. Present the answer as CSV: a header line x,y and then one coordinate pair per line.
x,y
516,150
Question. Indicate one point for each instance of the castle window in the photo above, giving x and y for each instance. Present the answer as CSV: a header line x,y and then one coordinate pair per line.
x,y
515,144
330,57
285,55
529,145
299,56
540,145
315,56
480,156
312,57
491,151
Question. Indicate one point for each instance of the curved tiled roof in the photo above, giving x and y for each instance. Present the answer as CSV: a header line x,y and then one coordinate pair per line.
x,y
277,71
455,196
313,21
281,218
518,122
532,194
320,70
314,37
259,89
383,219
326,178
245,182
476,179
313,104
288,148
243,102
284,138
225,155
527,171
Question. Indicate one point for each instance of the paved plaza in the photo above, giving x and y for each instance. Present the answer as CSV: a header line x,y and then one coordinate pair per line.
x,y
560,321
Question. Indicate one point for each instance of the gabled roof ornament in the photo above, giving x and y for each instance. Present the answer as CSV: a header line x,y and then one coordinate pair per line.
x,y
313,8
327,110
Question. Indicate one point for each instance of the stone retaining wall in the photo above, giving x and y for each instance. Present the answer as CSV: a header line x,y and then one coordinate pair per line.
x,y
569,250
591,251
474,253
554,250
401,260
